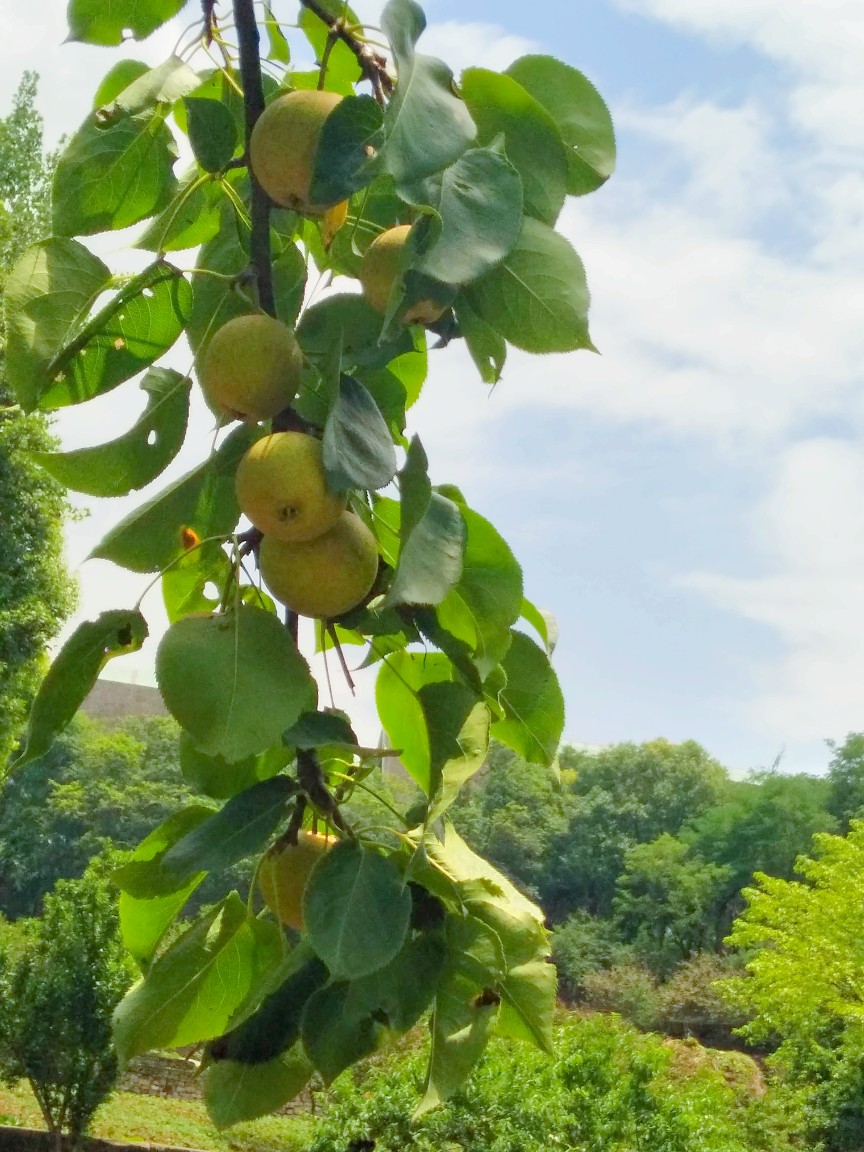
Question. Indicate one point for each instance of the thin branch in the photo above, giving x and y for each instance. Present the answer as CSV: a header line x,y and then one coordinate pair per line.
x,y
373,65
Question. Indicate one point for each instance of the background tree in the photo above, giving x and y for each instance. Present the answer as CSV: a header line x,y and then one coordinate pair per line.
x,y
58,988
36,591
846,779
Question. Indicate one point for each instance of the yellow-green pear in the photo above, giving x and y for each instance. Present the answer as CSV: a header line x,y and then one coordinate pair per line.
x,y
251,368
284,146
324,577
283,874
282,488
382,263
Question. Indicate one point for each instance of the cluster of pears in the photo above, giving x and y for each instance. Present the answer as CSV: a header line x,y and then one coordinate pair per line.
x,y
283,153
316,557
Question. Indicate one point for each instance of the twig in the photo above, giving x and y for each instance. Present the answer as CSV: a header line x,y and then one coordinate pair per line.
x,y
373,65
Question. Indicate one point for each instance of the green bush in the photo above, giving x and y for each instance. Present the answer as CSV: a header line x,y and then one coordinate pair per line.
x,y
628,989
690,1003
608,1089
585,944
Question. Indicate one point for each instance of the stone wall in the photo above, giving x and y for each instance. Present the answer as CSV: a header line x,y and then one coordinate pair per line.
x,y
176,1077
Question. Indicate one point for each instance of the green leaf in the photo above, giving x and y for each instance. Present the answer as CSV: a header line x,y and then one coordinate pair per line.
x,y
358,451
533,703
73,673
426,125
580,114
144,920
333,1038
116,79
356,908
214,776
212,132
400,710
316,728
531,138
163,84
430,561
95,22
352,133
235,1092
487,348
488,599
279,51
190,220
415,490
274,1026
203,500
543,622
193,988
479,202
243,826
234,682
109,178
134,459
345,320
137,326
343,71
50,289
529,993
537,298
458,728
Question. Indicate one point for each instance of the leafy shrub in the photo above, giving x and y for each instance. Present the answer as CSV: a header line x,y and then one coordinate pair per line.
x,y
691,1003
584,944
609,1088
628,989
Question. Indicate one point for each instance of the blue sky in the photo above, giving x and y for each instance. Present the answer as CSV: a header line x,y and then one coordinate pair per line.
x,y
689,504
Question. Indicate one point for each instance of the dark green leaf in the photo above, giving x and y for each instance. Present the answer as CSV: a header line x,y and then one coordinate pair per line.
x,y
192,989
203,500
234,682
163,84
243,826
95,22
144,920
109,178
352,133
235,1092
73,673
347,321
479,202
415,489
136,327
212,132
426,125
537,298
48,292
316,728
333,1038
580,114
134,459
487,347
533,143
358,451
430,560
356,909
533,703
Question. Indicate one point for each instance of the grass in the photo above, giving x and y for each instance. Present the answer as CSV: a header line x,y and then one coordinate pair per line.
x,y
130,1118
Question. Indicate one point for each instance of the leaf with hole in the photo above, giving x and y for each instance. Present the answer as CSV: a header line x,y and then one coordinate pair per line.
x,y
95,22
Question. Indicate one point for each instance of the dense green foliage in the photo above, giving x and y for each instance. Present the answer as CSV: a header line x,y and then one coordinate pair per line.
x,y
60,981
36,593
607,1089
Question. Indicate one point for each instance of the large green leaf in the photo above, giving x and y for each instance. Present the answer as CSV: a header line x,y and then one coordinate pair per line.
x,y
144,920
194,987
212,132
533,703
234,682
189,224
243,826
214,776
141,454
47,294
235,1092
488,598
95,22
580,113
203,500
73,673
479,202
529,993
458,728
163,84
430,560
356,908
499,104
112,177
426,125
537,298
357,449
333,1038
400,710
346,321
137,326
